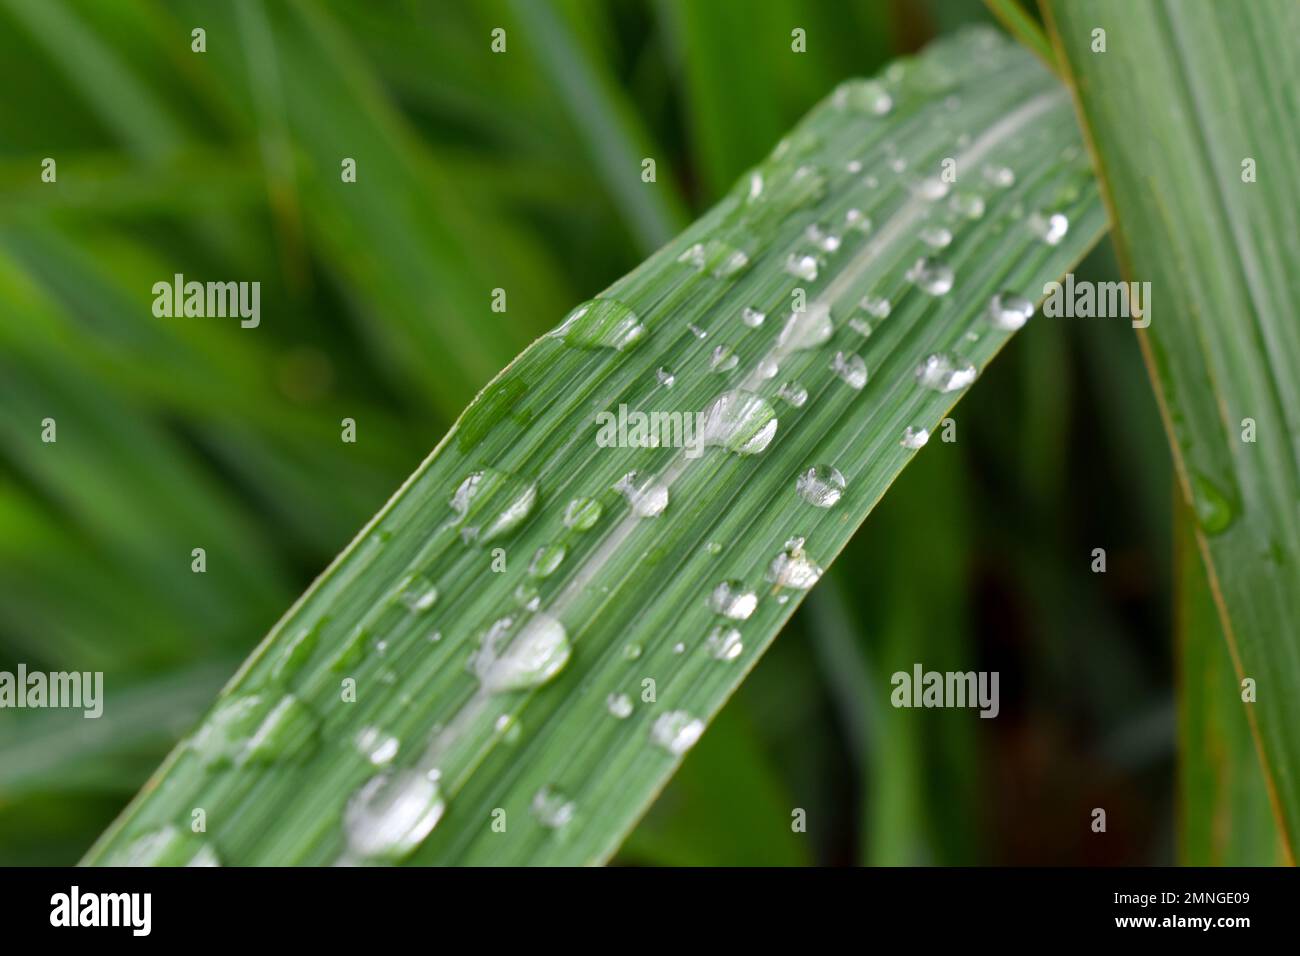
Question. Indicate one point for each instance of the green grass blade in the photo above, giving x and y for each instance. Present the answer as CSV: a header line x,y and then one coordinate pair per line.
x,y
594,604
1184,94
1021,25
1225,818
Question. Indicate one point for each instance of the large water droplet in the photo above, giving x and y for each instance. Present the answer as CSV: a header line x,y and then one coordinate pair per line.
x,y
676,731
602,323
792,568
821,486
931,276
251,728
1049,227
538,652
1009,311
581,514
490,503
552,808
391,815
807,328
943,372
732,599
724,643
850,367
1214,510
740,421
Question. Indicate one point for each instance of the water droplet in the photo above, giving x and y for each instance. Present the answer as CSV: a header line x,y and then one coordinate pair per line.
x,y
295,655
538,652
253,729
931,188
527,596
494,501
853,166
822,238
679,648
876,305
676,731
1001,176
732,599
968,205
898,164
632,651
376,746
665,377
752,317
724,644
602,323
936,237
1009,311
821,486
801,265
546,559
931,276
808,328
741,422
581,514
648,500
620,705
851,368
1051,228
417,593
723,359
855,218
793,394
863,96
720,258
914,437
166,846
712,547
552,809
861,326
1214,510
391,815
509,727
943,372
696,331
792,568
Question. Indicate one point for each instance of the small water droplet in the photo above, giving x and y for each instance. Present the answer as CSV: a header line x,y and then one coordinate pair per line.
x,y
1009,311
808,328
792,568
863,96
969,205
712,547
793,394
676,731
741,422
767,368
855,218
417,593
1001,176
914,437
931,188
619,705
632,651
1049,227
752,317
861,326
724,643
509,727
936,237
489,504
732,599
898,164
802,265
602,323
166,846
931,276
720,258
647,500
850,367
822,238
942,372
696,331
1214,510
581,514
665,377
391,814
546,559
723,359
853,166
538,652
295,655
876,305
821,486
376,746
552,809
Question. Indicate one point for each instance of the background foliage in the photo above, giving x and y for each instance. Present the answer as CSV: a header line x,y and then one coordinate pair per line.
x,y
520,172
